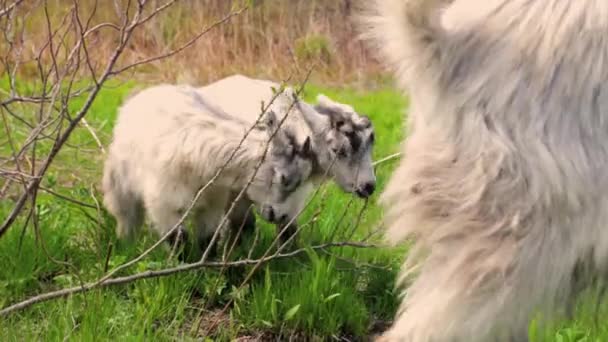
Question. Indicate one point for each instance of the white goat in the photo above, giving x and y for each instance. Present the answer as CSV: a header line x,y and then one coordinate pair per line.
x,y
169,141
342,140
505,183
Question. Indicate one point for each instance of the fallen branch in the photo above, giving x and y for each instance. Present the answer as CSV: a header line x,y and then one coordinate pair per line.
x,y
169,271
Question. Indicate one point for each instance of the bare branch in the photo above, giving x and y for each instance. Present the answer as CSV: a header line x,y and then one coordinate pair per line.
x,y
158,10
7,9
267,146
66,198
387,158
94,135
169,271
41,99
33,184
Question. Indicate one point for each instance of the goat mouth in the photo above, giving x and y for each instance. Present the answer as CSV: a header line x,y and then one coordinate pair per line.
x,y
366,189
362,194
365,192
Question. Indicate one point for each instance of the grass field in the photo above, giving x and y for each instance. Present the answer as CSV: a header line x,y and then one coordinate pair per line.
x,y
318,295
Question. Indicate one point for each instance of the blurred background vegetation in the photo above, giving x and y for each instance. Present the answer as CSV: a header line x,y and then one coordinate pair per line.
x,y
272,39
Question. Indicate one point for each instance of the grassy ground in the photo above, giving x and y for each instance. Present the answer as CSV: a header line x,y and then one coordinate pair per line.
x,y
343,292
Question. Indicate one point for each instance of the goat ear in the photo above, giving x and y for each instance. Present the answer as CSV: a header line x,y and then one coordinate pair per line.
x,y
336,118
325,101
307,148
336,112
270,121
363,121
313,119
279,137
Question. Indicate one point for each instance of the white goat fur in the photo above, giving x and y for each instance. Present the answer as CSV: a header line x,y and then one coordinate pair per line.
x,y
168,142
248,108
251,92
304,121
504,185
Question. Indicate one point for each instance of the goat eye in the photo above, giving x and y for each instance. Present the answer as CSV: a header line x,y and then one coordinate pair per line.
x,y
372,138
283,180
340,152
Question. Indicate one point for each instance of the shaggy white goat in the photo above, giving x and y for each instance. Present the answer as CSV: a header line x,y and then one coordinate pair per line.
x,y
342,140
169,141
504,187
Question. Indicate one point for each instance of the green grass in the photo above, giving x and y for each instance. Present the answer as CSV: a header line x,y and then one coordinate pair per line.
x,y
318,294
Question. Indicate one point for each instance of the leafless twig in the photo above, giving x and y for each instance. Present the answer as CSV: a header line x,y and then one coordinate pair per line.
x,y
387,158
4,11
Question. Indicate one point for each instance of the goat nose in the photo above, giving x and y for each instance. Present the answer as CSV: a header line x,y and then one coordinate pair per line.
x,y
369,188
270,214
366,190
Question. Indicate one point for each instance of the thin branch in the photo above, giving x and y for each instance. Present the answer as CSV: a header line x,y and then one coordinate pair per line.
x,y
30,189
387,158
266,148
40,99
66,198
157,10
356,264
94,135
9,8
19,172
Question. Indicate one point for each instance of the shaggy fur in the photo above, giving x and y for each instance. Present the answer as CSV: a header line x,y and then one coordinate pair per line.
x,y
169,141
342,140
504,183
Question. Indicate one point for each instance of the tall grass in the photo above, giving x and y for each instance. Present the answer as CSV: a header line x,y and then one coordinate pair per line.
x,y
270,39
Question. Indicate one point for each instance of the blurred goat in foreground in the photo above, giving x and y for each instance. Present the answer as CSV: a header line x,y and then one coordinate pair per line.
x,y
504,183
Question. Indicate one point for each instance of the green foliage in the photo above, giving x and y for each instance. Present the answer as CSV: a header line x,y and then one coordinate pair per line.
x,y
320,293
315,47
317,299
